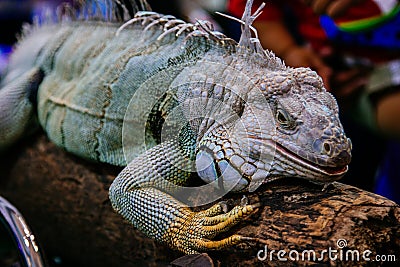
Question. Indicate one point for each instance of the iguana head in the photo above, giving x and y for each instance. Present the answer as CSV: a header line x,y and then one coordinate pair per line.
x,y
288,126
309,139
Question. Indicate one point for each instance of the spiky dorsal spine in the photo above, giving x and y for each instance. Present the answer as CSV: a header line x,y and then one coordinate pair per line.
x,y
124,10
251,46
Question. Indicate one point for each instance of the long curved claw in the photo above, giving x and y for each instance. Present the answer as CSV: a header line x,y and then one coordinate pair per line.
x,y
218,208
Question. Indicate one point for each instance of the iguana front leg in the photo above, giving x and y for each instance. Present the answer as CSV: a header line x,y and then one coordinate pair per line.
x,y
136,195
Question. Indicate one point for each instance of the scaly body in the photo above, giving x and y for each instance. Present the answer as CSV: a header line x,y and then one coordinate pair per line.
x,y
171,100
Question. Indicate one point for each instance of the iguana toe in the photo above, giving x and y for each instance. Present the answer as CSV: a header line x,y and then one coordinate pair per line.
x,y
195,233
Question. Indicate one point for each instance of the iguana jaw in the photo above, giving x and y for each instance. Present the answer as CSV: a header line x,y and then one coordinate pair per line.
x,y
331,173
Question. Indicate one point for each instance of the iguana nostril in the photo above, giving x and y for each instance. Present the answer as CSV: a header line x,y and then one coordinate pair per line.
x,y
327,148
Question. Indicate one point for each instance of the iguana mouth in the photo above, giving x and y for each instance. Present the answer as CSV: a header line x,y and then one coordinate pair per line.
x,y
335,172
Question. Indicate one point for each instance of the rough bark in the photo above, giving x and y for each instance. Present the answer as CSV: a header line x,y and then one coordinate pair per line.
x,y
65,200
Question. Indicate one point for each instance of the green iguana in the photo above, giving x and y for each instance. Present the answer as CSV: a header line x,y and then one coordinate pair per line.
x,y
172,102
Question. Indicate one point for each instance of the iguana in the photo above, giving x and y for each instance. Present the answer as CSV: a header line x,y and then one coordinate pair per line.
x,y
172,102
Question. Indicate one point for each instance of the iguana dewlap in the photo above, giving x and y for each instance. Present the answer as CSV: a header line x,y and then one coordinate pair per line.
x,y
170,100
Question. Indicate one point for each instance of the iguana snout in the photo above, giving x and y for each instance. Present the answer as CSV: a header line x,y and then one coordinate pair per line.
x,y
310,139
338,152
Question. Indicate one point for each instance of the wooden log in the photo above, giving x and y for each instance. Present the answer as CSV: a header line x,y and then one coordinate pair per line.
x,y
65,200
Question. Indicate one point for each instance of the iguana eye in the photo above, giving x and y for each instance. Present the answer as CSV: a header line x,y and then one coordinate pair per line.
x,y
284,119
281,117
